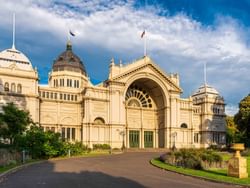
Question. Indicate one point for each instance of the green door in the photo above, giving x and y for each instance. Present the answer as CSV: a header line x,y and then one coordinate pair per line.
x,y
148,139
134,139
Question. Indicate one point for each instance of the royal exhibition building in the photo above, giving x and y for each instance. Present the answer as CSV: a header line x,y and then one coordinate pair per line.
x,y
137,106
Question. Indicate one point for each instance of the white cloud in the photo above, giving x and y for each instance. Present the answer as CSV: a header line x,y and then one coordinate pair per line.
x,y
231,110
176,43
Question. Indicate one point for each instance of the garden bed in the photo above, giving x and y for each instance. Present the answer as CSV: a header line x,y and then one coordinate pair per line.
x,y
214,174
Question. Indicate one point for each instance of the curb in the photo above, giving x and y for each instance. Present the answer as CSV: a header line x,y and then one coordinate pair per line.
x,y
202,178
13,170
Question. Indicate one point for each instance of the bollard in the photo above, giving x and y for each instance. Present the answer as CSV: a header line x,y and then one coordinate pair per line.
x,y
69,154
23,156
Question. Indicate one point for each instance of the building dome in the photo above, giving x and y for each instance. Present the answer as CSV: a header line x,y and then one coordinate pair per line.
x,y
14,58
206,89
69,61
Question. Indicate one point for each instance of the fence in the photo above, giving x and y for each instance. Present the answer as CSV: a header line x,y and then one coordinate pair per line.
x,y
8,157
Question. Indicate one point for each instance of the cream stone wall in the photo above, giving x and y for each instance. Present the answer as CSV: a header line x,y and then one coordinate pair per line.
x,y
139,105
27,98
61,108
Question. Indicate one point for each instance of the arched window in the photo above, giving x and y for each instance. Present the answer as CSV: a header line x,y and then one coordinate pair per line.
x,y
134,103
13,87
19,88
99,121
6,86
184,125
138,97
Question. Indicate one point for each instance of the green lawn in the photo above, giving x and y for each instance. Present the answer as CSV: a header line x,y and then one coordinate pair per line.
x,y
5,168
8,167
213,174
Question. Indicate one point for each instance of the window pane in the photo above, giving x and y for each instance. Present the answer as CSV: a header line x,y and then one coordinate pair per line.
x,y
63,133
73,135
68,133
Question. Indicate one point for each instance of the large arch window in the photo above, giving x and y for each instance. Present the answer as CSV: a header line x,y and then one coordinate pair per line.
x,y
99,121
138,97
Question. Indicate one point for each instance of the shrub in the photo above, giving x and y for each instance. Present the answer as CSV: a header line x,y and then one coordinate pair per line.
x,y
12,162
40,144
101,146
75,148
246,152
164,157
192,158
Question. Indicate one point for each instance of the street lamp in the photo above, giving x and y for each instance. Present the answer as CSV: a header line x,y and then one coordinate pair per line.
x,y
174,134
122,133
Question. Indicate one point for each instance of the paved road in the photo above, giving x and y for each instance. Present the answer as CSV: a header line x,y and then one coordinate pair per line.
x,y
116,171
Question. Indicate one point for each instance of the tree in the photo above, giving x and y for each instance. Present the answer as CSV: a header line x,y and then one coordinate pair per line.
x,y
13,122
41,144
242,119
231,130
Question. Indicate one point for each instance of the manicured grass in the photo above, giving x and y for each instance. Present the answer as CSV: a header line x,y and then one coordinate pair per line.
x,y
5,168
8,167
214,174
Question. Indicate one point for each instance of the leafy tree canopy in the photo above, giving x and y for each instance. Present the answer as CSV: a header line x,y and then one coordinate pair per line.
x,y
13,122
242,118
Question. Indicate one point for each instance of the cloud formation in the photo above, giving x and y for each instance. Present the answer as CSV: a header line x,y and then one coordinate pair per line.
x,y
177,43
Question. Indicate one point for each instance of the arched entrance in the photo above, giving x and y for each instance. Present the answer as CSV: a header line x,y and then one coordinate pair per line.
x,y
145,114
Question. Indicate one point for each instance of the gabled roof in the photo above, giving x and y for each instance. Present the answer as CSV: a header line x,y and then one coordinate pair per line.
x,y
142,63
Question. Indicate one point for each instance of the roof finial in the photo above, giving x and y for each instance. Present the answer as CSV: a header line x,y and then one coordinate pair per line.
x,y
13,31
120,63
112,62
69,45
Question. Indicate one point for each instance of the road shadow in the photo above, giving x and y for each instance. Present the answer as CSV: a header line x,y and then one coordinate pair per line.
x,y
44,175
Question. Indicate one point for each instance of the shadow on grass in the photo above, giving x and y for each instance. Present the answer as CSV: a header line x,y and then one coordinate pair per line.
x,y
216,172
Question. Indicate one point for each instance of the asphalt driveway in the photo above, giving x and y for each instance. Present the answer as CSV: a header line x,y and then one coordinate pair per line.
x,y
123,170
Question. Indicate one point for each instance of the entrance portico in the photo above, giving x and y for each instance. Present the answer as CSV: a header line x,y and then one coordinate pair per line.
x,y
145,114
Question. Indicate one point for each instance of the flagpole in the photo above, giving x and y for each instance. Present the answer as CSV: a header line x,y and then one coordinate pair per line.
x,y
13,31
68,35
145,44
145,37
205,73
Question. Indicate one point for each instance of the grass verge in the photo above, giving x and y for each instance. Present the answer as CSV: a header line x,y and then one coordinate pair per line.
x,y
214,174
12,166
94,153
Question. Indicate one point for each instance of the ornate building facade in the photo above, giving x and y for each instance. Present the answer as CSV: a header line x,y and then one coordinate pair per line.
x,y
137,106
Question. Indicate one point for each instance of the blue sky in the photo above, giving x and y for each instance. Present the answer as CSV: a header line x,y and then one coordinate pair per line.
x,y
181,36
